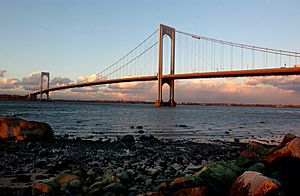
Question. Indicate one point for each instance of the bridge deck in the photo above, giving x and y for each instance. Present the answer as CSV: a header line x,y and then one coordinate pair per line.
x,y
220,74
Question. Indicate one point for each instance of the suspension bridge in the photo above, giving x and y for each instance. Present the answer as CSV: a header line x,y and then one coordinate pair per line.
x,y
195,56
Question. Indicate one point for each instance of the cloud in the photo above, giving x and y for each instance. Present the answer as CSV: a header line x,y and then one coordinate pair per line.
x,y
281,82
58,81
131,87
90,78
85,89
8,83
2,72
233,91
31,82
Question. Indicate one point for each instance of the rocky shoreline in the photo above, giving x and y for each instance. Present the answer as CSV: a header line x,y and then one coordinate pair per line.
x,y
143,164
33,162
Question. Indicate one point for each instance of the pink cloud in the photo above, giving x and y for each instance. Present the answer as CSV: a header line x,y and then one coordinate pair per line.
x,y
8,83
291,83
234,91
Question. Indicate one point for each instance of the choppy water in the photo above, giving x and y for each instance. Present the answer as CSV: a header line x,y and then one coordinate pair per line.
x,y
203,123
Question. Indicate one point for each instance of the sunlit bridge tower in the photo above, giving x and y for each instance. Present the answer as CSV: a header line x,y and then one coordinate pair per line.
x,y
165,30
47,74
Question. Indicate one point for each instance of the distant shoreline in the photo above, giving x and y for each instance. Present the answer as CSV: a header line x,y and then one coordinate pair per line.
x,y
6,97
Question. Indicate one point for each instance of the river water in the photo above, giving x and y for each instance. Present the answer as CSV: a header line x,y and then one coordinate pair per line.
x,y
201,123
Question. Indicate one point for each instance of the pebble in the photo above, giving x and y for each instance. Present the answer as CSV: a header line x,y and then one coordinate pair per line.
x,y
141,131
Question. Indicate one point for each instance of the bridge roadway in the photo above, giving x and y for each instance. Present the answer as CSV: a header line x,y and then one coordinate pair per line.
x,y
219,74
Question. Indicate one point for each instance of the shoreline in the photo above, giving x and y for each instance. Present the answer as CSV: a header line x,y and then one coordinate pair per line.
x,y
146,165
22,98
151,161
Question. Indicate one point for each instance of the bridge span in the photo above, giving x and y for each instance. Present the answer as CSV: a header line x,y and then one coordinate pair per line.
x,y
221,74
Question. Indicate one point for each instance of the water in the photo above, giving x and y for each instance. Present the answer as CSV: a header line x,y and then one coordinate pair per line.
x,y
201,123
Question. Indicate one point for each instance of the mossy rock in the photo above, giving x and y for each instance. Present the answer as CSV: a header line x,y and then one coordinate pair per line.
x,y
244,162
258,167
219,175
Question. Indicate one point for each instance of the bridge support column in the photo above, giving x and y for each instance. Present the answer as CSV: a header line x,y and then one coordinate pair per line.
x,y
43,91
165,30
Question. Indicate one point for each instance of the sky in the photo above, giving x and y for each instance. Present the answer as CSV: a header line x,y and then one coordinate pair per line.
x,y
73,39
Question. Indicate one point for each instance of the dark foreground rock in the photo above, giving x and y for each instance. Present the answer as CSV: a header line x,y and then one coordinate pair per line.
x,y
16,128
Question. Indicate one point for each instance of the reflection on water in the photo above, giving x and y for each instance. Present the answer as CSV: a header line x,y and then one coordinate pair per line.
x,y
100,120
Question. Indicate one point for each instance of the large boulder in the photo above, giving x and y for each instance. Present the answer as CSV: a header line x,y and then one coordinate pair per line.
x,y
24,130
254,184
287,138
291,149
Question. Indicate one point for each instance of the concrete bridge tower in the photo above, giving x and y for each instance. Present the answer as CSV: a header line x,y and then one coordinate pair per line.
x,y
165,30
47,74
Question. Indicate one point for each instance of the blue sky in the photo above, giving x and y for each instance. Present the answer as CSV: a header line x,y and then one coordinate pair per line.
x,y
71,38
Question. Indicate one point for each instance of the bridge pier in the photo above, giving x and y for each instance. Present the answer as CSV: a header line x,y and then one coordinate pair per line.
x,y
165,30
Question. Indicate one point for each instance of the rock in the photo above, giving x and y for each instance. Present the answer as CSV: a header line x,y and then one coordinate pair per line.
x,y
133,189
163,186
176,166
182,182
204,162
192,167
292,149
124,176
24,130
78,139
258,167
182,126
41,188
260,149
249,154
44,152
152,171
226,132
247,158
96,188
128,141
254,183
66,136
141,131
199,191
287,138
109,177
115,187
219,175
149,138
236,140
75,185
139,127
64,179
148,182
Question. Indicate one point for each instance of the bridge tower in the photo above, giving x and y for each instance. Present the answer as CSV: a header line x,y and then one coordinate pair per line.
x,y
47,74
165,30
